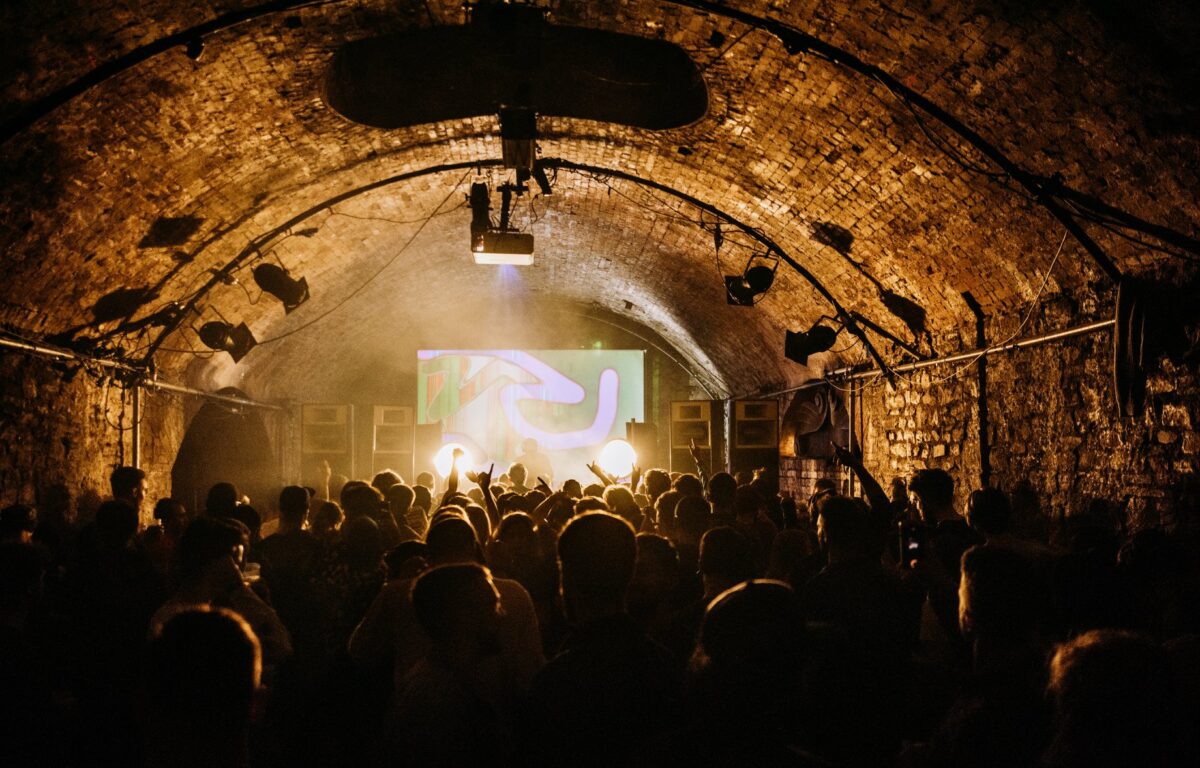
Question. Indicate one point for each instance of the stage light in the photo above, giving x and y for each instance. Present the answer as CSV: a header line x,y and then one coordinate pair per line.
x,y
742,290
445,457
514,248
798,345
223,337
543,182
481,220
617,458
760,278
276,281
495,245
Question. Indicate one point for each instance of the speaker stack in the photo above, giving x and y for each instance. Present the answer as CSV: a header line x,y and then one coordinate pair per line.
x,y
327,434
700,421
755,436
644,439
394,439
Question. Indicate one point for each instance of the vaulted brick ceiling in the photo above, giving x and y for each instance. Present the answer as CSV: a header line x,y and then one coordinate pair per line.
x,y
154,176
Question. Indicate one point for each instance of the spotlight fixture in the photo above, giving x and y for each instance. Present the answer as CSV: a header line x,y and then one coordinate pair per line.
x,y
539,175
276,281
744,289
223,337
443,460
496,245
798,345
617,458
481,221
194,48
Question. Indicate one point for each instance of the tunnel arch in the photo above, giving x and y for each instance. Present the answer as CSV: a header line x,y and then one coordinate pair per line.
x,y
125,196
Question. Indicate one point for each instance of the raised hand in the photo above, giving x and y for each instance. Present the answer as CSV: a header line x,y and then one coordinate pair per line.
x,y
846,457
600,473
484,479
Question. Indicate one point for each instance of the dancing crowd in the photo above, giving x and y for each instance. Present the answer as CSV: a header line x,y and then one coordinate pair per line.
x,y
664,619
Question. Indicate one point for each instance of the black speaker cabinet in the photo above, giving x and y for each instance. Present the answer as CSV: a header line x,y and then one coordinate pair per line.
x,y
327,434
644,439
755,436
701,421
394,439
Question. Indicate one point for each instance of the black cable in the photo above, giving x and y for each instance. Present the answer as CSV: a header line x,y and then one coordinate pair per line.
x,y
377,273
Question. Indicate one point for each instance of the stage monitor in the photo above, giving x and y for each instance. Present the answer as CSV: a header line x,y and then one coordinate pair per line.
x,y
570,401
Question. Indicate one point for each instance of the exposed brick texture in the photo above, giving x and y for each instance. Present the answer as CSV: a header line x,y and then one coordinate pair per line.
x,y
793,145
71,434
1057,443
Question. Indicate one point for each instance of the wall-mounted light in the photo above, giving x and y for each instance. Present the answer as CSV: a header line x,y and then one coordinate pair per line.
x,y
756,279
223,337
276,281
798,345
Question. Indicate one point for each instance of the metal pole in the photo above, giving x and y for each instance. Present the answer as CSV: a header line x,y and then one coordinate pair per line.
x,y
60,354
135,433
850,440
228,399
54,353
851,373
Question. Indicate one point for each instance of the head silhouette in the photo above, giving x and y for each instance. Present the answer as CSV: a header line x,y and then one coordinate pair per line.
x,y
988,511
516,473
844,528
451,539
361,501
385,480
722,487
726,559
222,500
459,608
746,666
1115,703
210,542
293,506
657,482
596,553
400,498
172,516
998,596
128,485
199,679
932,492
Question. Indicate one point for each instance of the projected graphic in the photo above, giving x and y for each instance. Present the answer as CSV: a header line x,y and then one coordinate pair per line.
x,y
570,401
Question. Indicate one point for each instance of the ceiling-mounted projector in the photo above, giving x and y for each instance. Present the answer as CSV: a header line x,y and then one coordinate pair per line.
x,y
499,247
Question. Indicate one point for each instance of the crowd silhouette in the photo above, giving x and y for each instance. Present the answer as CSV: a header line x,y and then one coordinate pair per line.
x,y
673,619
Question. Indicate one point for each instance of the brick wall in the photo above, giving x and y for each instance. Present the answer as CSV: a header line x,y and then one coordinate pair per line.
x,y
55,432
799,477
1057,443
